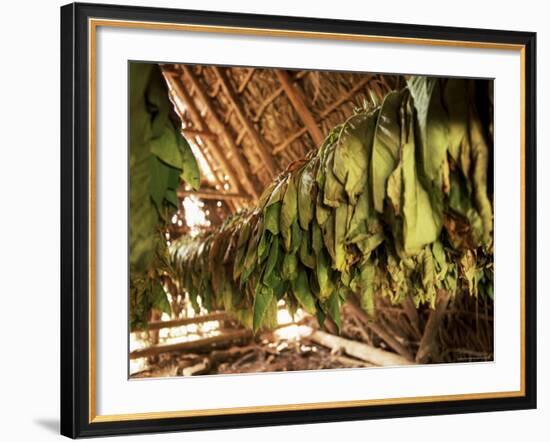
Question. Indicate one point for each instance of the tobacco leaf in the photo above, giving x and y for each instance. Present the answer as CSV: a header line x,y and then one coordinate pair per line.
x,y
289,211
306,185
385,148
302,292
422,223
262,300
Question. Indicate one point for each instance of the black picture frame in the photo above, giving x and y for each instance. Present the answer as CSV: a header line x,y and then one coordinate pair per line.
x,y
75,220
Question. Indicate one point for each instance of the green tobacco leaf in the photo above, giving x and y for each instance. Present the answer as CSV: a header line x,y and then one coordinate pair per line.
x,y
166,147
306,185
322,212
328,236
272,259
140,74
296,236
289,270
316,239
333,191
262,300
172,197
190,169
455,91
333,304
351,156
271,217
302,292
366,279
395,189
159,298
385,148
340,218
480,154
305,253
158,181
289,211
422,223
264,245
357,224
324,275
158,102
433,122
460,200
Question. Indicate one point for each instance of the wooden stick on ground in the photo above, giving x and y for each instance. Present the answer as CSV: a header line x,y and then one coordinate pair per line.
x,y
358,350
428,346
200,368
196,345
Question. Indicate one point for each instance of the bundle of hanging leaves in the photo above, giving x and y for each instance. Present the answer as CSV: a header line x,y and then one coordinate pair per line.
x,y
395,203
159,158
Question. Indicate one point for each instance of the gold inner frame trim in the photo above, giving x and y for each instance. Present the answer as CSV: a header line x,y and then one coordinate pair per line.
x,y
93,24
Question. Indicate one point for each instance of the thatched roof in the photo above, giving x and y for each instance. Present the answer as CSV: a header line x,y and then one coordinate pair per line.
x,y
246,125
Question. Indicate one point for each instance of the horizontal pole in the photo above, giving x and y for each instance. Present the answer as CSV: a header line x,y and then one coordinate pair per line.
x,y
205,194
199,133
191,345
216,316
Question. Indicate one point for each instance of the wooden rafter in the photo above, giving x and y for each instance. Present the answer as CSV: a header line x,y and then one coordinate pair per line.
x,y
289,140
300,106
240,163
209,195
259,143
325,113
200,133
347,96
246,80
270,99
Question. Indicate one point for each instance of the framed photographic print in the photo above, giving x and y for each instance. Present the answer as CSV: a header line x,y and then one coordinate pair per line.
x,y
278,220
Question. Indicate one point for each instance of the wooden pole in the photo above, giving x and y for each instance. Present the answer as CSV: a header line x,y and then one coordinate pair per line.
x,y
199,133
300,106
205,194
240,162
260,144
246,80
198,344
347,96
359,350
216,316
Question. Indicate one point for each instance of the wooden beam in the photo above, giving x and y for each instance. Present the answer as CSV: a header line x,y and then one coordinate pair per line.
x,y
358,350
290,140
240,163
199,122
196,345
347,96
263,151
246,80
300,106
270,99
199,133
157,325
206,194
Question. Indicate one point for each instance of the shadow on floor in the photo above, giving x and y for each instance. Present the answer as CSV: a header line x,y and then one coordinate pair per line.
x,y
50,424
